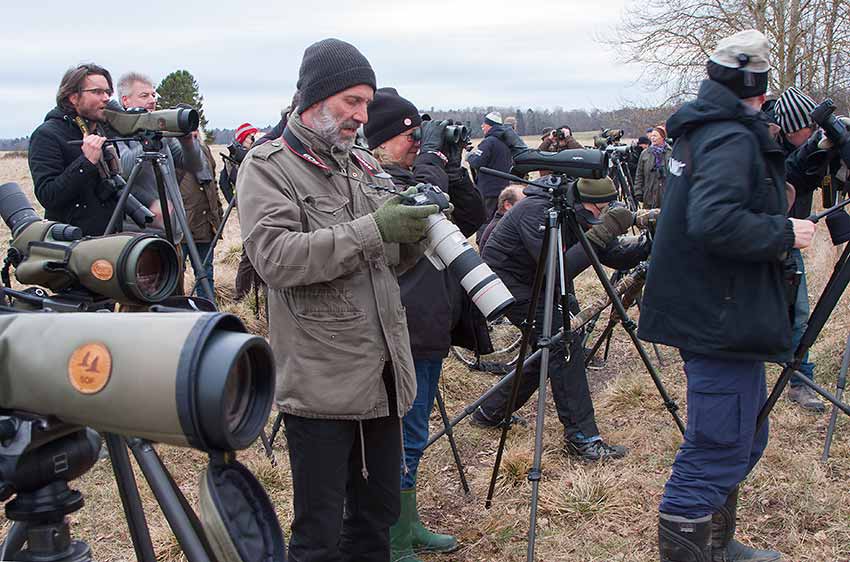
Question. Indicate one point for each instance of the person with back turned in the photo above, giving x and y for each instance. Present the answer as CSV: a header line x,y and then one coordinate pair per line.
x,y
329,246
716,290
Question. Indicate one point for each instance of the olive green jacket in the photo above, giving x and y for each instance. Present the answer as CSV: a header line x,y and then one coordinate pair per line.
x,y
649,180
334,304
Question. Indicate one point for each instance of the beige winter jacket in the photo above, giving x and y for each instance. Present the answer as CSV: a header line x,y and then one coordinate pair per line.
x,y
334,305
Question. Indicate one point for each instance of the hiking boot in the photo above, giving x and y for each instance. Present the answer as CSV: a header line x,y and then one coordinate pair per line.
x,y
684,540
421,537
480,419
806,398
724,547
597,450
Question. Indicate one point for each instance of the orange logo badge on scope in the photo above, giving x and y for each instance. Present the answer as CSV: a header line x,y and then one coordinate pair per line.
x,y
89,368
102,269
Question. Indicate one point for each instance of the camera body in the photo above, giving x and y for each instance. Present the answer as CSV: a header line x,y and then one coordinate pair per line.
x,y
835,130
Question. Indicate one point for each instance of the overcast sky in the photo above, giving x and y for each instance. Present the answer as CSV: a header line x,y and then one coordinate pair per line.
x,y
245,55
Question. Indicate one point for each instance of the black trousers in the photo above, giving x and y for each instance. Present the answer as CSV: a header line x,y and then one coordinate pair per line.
x,y
567,379
340,515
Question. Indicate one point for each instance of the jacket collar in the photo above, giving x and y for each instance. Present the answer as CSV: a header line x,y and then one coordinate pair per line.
x,y
316,143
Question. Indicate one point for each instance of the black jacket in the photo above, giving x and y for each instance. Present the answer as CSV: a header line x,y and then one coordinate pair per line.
x,y
715,284
492,152
439,313
513,247
805,168
66,183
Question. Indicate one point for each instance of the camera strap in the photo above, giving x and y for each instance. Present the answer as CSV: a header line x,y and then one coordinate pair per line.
x,y
294,144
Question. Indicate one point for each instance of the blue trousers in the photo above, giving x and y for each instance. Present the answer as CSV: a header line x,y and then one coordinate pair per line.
x,y
415,422
720,447
203,248
801,320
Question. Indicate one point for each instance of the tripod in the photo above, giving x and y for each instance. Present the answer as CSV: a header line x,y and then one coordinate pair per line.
x,y
560,219
152,155
627,194
40,456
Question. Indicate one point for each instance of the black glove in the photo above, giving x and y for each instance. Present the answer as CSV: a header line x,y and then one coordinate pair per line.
x,y
454,153
432,136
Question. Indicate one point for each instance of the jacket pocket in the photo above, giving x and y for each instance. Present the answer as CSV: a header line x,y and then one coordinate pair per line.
x,y
324,210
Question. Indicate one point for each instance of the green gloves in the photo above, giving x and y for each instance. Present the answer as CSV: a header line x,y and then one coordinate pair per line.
x,y
404,224
615,221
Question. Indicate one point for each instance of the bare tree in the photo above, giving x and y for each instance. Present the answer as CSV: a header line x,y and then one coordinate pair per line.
x,y
672,40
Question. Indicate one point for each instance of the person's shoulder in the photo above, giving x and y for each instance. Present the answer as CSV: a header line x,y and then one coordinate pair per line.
x,y
271,150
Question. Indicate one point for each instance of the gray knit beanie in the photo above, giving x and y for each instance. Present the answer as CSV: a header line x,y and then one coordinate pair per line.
x,y
328,67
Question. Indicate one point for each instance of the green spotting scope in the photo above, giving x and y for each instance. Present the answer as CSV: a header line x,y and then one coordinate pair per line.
x,y
183,378
131,121
128,268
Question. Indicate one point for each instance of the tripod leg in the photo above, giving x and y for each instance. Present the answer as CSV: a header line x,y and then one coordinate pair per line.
x,y
267,447
627,323
118,213
130,498
216,238
275,428
191,541
609,328
470,409
448,429
164,183
528,329
839,393
817,320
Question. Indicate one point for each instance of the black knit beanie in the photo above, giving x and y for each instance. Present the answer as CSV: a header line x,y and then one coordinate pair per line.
x,y
743,83
389,115
330,66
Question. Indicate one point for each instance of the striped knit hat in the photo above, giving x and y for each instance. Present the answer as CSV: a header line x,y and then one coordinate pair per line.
x,y
493,118
793,110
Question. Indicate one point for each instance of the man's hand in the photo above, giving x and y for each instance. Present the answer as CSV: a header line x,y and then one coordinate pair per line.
x,y
804,232
647,218
404,224
93,148
615,221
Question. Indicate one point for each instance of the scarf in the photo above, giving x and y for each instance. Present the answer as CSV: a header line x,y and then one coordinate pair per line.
x,y
658,153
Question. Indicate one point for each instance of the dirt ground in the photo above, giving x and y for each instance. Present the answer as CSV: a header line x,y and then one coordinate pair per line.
x,y
588,512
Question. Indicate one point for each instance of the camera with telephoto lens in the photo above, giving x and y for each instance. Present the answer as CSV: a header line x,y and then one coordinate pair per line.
x,y
558,134
449,248
127,268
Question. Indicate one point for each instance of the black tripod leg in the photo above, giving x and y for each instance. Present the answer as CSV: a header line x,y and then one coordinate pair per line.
x,y
130,498
528,330
839,393
216,238
606,333
164,185
118,213
191,541
448,429
627,323
275,428
267,447
470,409
817,320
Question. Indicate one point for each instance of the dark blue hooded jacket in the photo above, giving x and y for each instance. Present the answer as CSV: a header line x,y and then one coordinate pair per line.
x,y
491,153
716,284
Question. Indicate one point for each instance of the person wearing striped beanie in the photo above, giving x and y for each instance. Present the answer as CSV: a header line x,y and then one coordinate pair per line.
x,y
793,113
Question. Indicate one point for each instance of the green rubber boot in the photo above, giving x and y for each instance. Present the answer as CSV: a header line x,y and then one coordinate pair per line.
x,y
422,538
401,543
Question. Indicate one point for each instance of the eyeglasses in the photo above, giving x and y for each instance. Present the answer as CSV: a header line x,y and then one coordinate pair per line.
x,y
99,91
414,136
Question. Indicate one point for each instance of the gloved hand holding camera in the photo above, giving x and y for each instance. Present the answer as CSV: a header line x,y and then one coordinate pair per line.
x,y
647,219
400,223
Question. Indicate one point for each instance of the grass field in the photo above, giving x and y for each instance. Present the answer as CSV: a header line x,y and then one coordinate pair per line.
x,y
588,512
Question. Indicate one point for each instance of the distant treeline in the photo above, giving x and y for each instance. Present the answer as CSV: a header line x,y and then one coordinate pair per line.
x,y
15,144
635,120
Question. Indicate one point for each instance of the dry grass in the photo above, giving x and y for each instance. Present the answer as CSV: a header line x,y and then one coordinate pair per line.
x,y
587,512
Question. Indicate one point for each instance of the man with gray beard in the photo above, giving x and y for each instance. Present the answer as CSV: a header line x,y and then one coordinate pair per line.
x,y
329,247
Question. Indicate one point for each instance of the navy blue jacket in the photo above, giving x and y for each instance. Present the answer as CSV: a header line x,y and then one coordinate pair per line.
x,y
67,185
491,153
715,284
805,168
